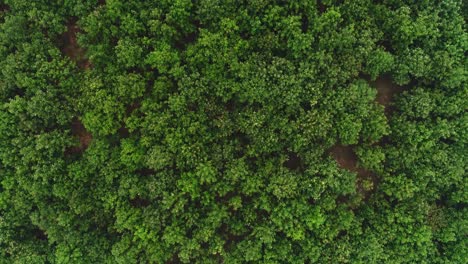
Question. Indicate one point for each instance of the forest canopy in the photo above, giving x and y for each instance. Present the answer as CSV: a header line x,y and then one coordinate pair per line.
x,y
208,131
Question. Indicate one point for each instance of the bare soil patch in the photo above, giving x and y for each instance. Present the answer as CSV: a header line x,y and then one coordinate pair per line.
x,y
189,38
347,159
79,131
39,234
321,7
294,162
123,132
386,91
139,202
4,7
132,107
145,172
70,48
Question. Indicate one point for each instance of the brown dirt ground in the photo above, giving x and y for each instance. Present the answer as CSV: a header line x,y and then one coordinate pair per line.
x,y
79,131
123,132
70,47
347,159
4,7
321,7
132,107
345,156
386,91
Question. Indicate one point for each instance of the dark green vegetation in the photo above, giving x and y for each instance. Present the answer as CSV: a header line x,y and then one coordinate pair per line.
x,y
210,131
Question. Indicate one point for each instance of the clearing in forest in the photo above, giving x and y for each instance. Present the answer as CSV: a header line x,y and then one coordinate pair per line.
x,y
345,156
79,131
4,7
69,46
347,159
386,91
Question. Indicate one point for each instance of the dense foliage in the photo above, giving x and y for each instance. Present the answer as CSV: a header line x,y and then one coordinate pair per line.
x,y
209,131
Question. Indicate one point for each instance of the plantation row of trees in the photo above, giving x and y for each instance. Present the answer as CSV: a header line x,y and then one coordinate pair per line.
x,y
180,131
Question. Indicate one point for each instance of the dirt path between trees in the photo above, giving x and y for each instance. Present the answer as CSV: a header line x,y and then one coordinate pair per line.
x,y
84,137
347,159
345,156
70,48
387,89
4,7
